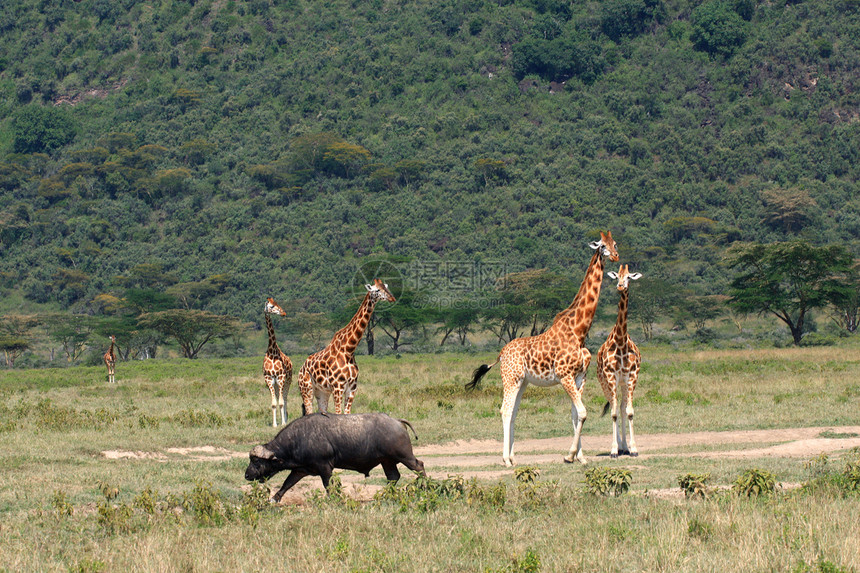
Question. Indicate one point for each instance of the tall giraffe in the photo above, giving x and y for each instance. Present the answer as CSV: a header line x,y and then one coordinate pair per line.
x,y
332,370
618,362
110,360
556,356
277,367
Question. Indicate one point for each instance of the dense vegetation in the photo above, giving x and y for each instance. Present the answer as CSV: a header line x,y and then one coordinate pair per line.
x,y
217,152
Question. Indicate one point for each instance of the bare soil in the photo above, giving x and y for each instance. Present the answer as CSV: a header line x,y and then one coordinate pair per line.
x,y
458,457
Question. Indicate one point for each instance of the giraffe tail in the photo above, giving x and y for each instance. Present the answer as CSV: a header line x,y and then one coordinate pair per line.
x,y
478,374
605,410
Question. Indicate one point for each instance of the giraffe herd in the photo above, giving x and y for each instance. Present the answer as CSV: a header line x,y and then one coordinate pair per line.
x,y
556,356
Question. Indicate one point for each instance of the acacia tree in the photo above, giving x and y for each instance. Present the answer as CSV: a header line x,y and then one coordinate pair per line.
x,y
459,318
406,314
787,280
16,335
191,329
846,303
649,301
72,331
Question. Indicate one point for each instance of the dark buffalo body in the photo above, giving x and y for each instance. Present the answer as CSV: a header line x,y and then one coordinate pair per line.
x,y
316,444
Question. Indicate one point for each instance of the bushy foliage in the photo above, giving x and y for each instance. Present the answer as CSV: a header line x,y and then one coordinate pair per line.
x,y
755,482
204,138
41,129
605,481
695,485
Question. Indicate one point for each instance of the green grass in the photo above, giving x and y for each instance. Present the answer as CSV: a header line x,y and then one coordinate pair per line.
x,y
55,424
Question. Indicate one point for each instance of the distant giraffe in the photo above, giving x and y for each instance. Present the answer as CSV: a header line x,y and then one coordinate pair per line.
x,y
556,356
332,370
110,360
618,362
277,367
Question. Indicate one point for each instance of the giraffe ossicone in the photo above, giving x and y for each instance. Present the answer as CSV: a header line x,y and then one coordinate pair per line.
x,y
618,362
332,371
556,356
277,366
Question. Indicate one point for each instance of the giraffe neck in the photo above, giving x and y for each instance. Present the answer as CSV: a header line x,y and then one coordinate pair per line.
x,y
620,329
110,350
577,318
273,344
347,338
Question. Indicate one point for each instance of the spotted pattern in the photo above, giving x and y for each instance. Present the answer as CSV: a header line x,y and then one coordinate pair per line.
x,y
557,356
277,367
332,372
618,362
110,360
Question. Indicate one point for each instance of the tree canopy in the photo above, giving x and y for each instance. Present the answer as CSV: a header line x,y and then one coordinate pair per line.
x,y
787,280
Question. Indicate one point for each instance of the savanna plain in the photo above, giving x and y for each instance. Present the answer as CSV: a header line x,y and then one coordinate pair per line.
x,y
147,474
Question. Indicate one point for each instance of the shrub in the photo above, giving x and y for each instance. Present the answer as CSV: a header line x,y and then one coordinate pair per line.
x,y
717,28
695,485
607,481
427,494
39,129
755,482
61,504
528,563
206,505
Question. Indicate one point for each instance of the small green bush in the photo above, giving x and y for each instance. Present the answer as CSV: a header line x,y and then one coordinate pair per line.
x,y
755,482
607,481
528,563
695,485
206,505
61,504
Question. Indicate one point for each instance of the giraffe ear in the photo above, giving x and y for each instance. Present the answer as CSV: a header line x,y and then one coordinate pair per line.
x,y
595,244
368,287
634,276
612,275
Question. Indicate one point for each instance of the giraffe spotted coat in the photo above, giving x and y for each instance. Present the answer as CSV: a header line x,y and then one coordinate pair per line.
x,y
332,372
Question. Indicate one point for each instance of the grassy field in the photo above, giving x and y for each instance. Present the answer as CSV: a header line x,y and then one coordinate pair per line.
x,y
181,503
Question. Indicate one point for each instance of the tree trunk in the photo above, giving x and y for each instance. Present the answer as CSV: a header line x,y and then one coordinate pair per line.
x,y
371,342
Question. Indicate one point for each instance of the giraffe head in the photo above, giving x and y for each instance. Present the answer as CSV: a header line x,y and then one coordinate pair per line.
x,y
112,339
273,308
624,277
379,291
607,247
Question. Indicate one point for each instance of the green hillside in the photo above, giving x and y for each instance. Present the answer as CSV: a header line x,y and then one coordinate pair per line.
x,y
271,148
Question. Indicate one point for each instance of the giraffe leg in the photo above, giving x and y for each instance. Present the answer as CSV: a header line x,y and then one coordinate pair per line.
x,y
574,384
282,402
513,394
631,383
270,382
307,391
612,397
285,391
338,400
621,433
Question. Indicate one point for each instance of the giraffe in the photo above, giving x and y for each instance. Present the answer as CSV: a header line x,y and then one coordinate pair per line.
x,y
277,367
556,356
332,370
110,360
618,362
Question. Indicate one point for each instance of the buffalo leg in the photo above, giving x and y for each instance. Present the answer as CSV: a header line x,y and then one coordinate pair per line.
x,y
390,469
291,480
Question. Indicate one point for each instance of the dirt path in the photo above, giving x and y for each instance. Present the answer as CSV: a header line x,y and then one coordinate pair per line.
x,y
465,457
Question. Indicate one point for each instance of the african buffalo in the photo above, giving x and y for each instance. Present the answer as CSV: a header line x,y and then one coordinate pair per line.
x,y
318,443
